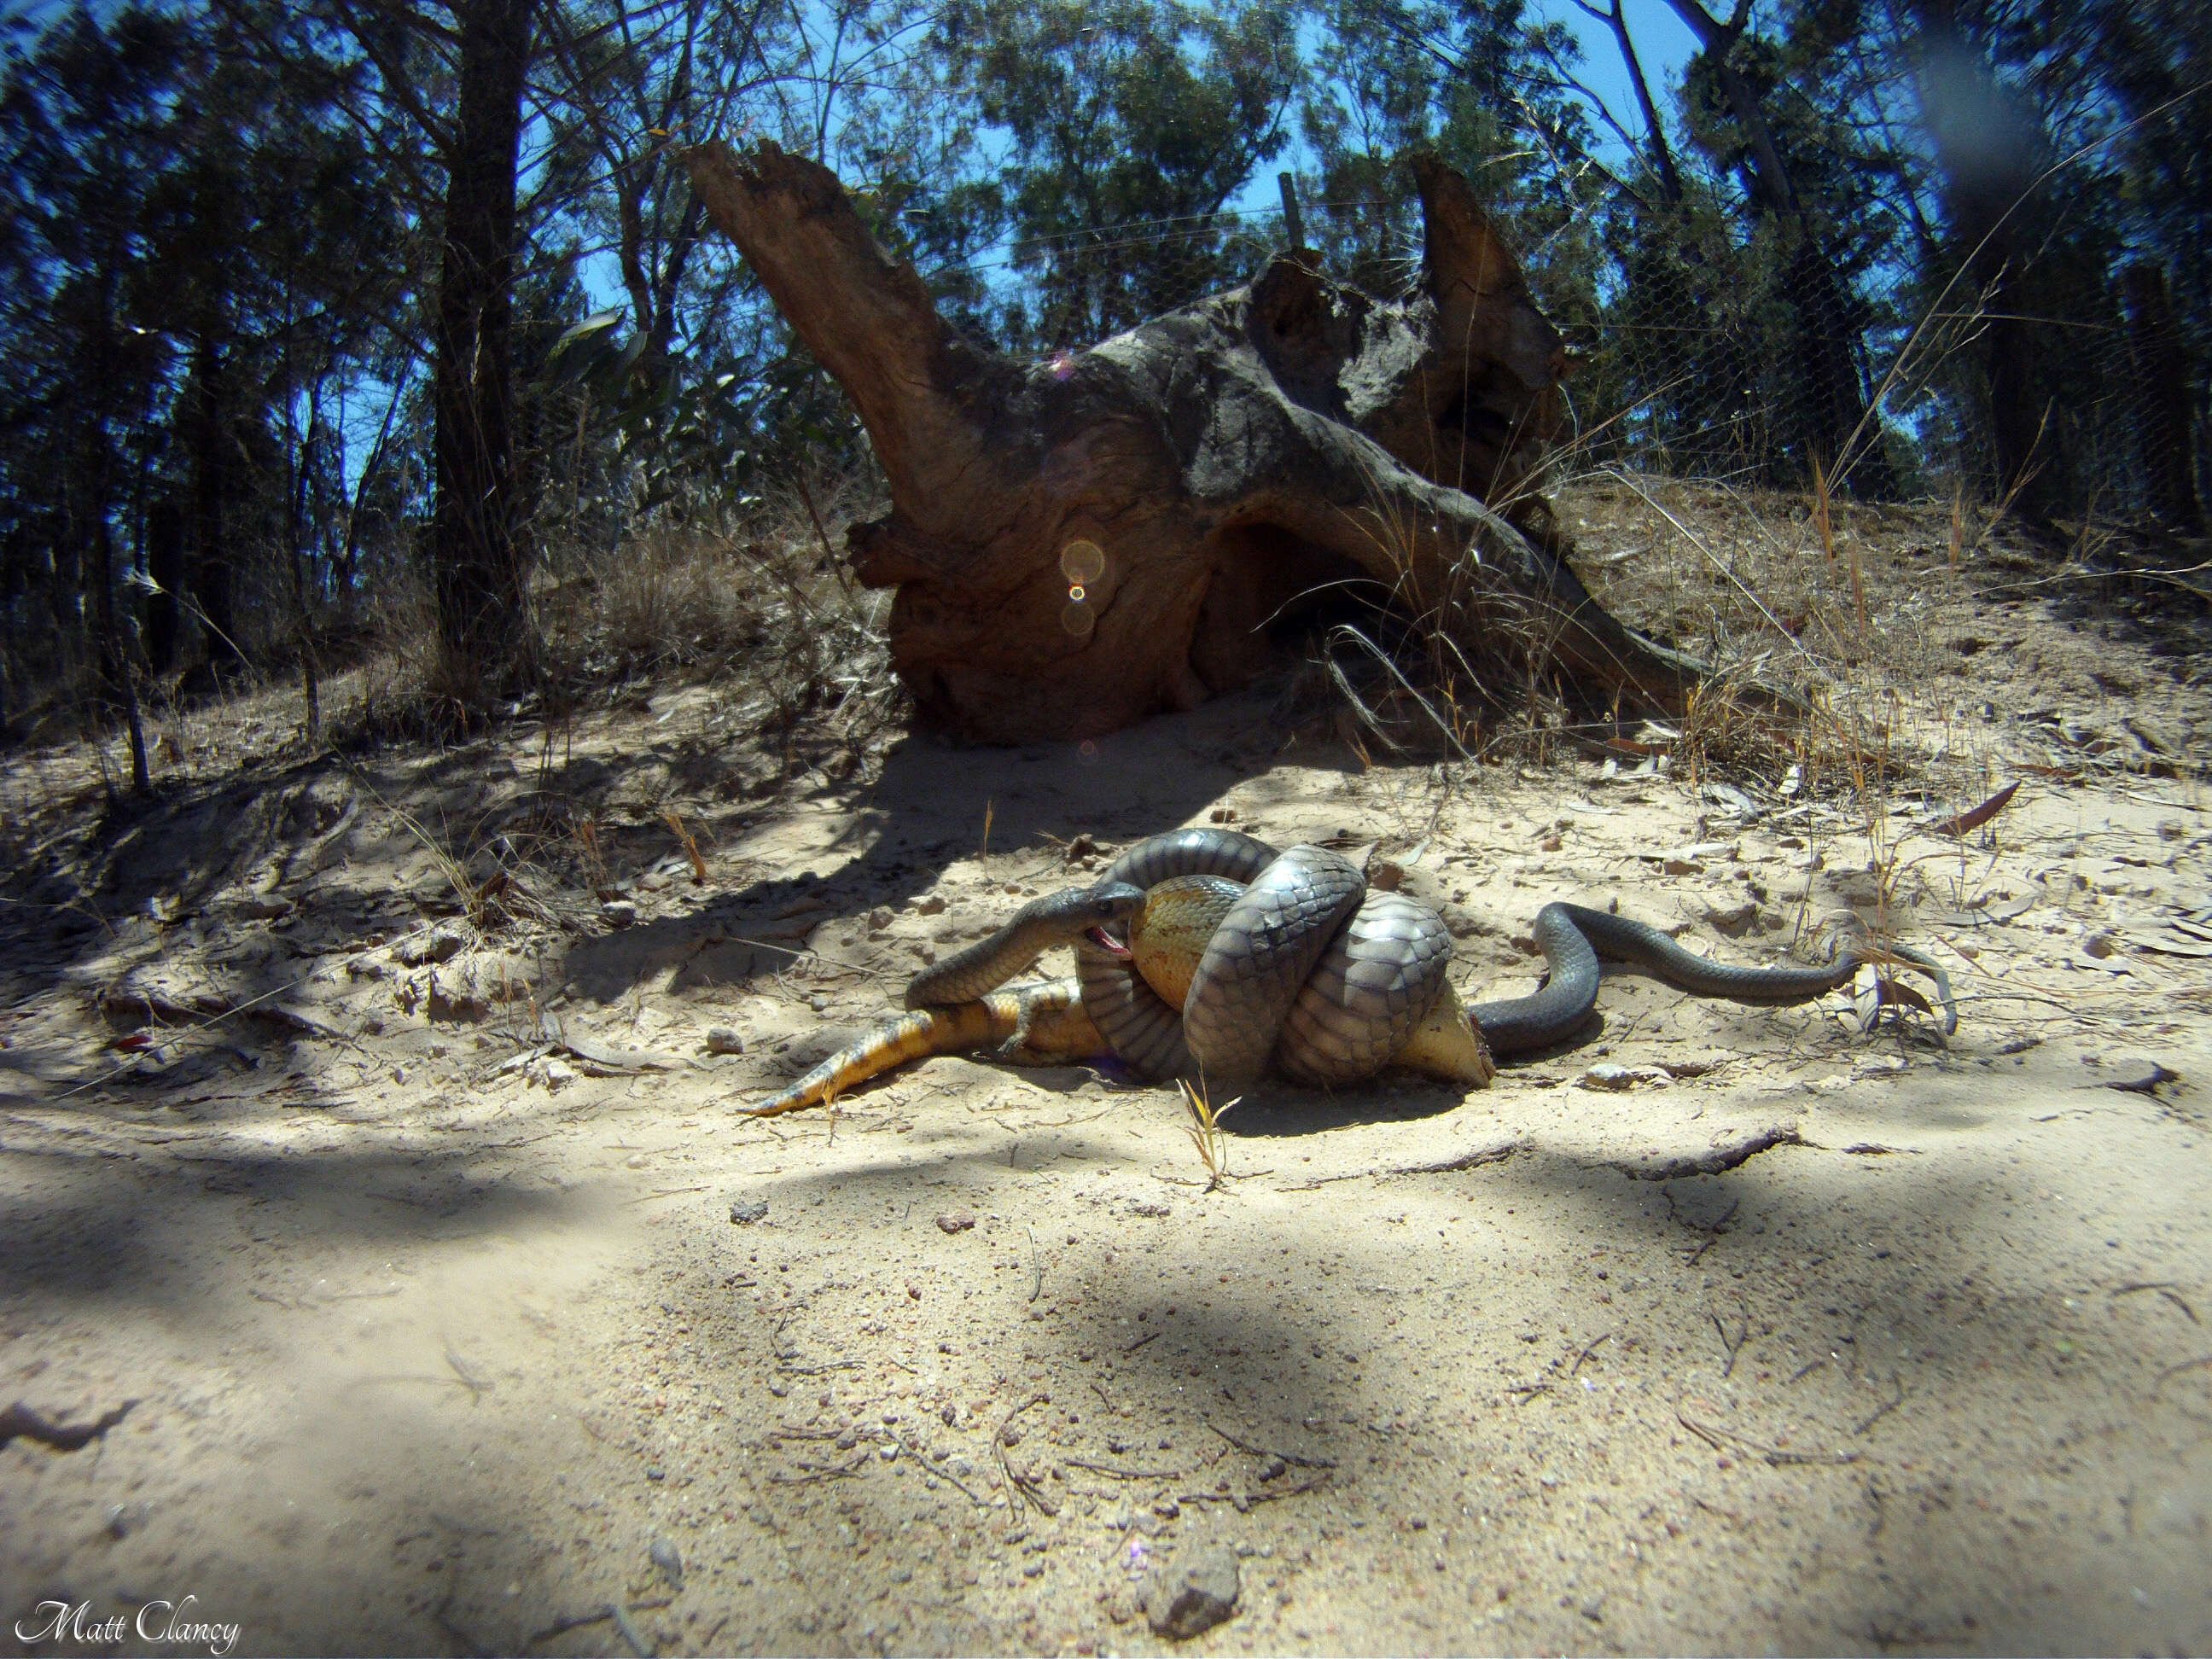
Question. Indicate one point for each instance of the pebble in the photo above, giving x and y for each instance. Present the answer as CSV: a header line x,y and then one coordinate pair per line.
x,y
618,913
439,945
744,1212
1193,1593
724,1040
665,1557
956,1221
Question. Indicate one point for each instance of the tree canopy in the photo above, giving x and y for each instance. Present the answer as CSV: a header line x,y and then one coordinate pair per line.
x,y
307,306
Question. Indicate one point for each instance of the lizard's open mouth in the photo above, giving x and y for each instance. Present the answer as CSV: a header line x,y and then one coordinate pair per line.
x,y
1106,942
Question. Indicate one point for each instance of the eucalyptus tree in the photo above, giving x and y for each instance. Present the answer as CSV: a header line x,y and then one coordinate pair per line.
x,y
1127,128
84,119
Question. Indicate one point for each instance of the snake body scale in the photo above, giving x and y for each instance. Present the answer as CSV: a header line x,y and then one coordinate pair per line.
x,y
1230,955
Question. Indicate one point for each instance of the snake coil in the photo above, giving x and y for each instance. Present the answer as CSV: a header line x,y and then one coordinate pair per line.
x,y
1310,967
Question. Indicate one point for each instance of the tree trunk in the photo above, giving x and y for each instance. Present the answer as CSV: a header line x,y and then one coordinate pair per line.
x,y
1986,146
2161,366
1082,542
165,567
1837,426
212,585
476,563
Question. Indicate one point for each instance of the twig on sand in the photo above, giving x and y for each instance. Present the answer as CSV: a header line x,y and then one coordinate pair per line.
x,y
1723,1440
1268,1451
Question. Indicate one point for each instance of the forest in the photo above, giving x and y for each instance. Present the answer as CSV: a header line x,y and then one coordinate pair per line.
x,y
349,326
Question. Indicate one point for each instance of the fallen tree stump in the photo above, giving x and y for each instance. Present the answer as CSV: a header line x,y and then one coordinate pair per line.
x,y
1082,542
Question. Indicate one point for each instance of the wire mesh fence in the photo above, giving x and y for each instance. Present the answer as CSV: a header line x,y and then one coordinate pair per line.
x,y
1692,360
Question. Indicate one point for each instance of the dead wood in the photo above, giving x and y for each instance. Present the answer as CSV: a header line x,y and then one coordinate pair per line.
x,y
1227,462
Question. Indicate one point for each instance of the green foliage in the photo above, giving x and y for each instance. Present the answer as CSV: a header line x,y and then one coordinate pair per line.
x,y
223,233
1114,114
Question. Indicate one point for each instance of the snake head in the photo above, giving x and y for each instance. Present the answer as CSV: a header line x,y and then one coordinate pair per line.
x,y
1109,908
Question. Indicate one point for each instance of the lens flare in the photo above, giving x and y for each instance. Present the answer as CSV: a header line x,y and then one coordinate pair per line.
x,y
1077,618
1075,595
1082,562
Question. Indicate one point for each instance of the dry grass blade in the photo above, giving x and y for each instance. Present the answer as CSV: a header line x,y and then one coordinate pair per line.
x,y
674,820
1204,1130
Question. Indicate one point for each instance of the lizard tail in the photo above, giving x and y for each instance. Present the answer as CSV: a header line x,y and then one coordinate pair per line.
x,y
941,1031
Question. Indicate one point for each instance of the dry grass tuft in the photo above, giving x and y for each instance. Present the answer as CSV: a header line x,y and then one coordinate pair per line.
x,y
752,594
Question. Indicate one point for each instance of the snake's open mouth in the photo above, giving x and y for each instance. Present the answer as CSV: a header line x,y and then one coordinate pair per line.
x,y
1106,942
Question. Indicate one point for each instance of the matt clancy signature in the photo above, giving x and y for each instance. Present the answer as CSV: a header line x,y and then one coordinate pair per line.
x,y
169,1623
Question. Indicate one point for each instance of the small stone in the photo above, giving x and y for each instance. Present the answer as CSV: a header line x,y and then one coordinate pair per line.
x,y
818,1003
1608,1076
618,913
656,1473
1594,1611
1192,1594
724,1040
956,1221
880,917
1733,920
439,945
931,906
665,1557
746,1211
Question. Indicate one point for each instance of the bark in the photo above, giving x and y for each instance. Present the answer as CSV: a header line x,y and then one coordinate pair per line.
x,y
2162,368
1224,461
477,565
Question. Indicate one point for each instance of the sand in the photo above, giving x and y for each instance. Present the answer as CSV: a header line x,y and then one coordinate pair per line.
x,y
1724,1330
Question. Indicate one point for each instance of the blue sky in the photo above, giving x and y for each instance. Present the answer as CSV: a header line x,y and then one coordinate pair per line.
x,y
1663,43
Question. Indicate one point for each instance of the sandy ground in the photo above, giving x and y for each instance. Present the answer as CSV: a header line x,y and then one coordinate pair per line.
x,y
1724,1330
